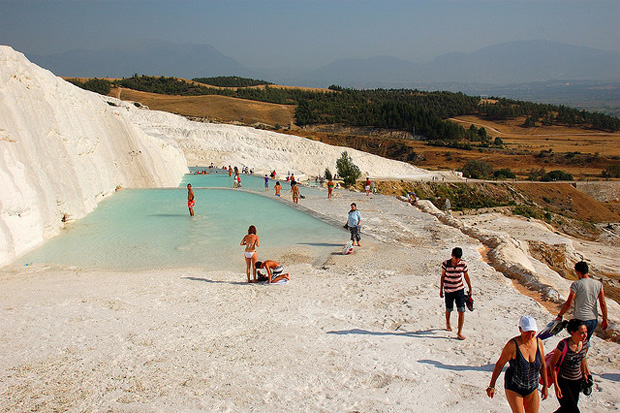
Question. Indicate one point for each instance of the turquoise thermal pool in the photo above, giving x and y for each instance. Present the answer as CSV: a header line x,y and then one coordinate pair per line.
x,y
144,229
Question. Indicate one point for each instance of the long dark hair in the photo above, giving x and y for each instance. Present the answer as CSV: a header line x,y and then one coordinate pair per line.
x,y
574,324
252,230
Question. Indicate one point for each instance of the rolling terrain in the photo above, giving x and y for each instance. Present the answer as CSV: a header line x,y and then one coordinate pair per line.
x,y
582,152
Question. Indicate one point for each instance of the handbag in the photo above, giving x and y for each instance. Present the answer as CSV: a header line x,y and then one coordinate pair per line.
x,y
548,357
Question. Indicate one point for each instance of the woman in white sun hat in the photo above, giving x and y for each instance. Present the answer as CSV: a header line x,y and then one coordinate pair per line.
x,y
526,358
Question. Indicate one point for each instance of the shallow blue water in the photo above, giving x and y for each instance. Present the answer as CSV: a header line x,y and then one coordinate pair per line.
x,y
219,178
151,228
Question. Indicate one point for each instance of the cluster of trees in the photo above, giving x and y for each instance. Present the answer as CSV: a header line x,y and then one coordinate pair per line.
x,y
347,170
100,86
163,85
612,171
538,113
231,81
478,169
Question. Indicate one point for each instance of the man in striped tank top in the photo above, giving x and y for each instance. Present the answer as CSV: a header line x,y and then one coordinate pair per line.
x,y
452,273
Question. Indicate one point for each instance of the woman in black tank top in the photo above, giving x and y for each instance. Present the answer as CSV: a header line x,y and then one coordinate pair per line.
x,y
524,353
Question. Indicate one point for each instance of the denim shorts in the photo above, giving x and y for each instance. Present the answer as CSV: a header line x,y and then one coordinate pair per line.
x,y
459,297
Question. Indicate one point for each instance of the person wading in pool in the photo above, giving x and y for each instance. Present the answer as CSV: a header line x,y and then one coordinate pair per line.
x,y
274,271
251,242
278,188
190,199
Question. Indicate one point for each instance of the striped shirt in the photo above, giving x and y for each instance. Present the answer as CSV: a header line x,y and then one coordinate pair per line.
x,y
570,369
453,281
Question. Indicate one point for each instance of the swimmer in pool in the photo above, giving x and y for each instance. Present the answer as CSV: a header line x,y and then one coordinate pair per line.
x,y
274,271
251,242
190,199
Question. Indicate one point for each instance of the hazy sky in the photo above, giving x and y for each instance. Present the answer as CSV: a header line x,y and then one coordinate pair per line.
x,y
273,33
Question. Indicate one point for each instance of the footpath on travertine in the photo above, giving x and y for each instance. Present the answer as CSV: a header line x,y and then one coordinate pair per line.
x,y
362,332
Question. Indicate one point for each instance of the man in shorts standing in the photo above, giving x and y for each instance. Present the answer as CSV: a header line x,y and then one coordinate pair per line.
x,y
452,273
353,224
190,199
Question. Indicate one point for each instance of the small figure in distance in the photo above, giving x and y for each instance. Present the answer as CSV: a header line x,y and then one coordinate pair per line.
x,y
295,191
585,292
190,200
354,221
274,271
266,182
250,241
452,273
330,189
278,188
525,354
367,186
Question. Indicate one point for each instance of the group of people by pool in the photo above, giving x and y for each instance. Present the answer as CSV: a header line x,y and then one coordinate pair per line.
x,y
566,367
273,269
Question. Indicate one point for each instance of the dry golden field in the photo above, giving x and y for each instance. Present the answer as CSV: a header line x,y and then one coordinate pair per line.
x,y
214,108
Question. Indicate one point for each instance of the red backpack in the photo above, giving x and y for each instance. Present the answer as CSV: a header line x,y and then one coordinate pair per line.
x,y
548,357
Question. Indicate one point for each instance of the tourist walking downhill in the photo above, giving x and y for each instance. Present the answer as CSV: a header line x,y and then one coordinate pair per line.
x,y
452,273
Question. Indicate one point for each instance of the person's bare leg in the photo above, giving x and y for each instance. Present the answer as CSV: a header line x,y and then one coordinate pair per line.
x,y
448,326
254,259
531,402
515,401
459,334
248,264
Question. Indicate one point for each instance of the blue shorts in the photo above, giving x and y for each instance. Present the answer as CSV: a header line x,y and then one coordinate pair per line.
x,y
459,297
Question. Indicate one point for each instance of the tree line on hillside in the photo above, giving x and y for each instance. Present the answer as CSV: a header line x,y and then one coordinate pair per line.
x,y
100,86
231,81
421,113
545,114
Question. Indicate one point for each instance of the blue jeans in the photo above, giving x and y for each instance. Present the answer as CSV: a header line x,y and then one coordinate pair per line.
x,y
591,326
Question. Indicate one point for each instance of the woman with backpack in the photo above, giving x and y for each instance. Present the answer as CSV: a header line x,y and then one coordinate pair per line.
x,y
568,379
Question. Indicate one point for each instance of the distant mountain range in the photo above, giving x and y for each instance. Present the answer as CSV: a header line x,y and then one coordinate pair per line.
x,y
501,64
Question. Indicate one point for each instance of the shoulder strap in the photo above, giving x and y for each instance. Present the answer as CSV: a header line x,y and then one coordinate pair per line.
x,y
563,352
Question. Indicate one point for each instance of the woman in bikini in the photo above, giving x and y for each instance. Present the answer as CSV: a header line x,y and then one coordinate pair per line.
x,y
525,356
251,242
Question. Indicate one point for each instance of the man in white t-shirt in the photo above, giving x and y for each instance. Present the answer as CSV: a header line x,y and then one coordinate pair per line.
x,y
585,293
